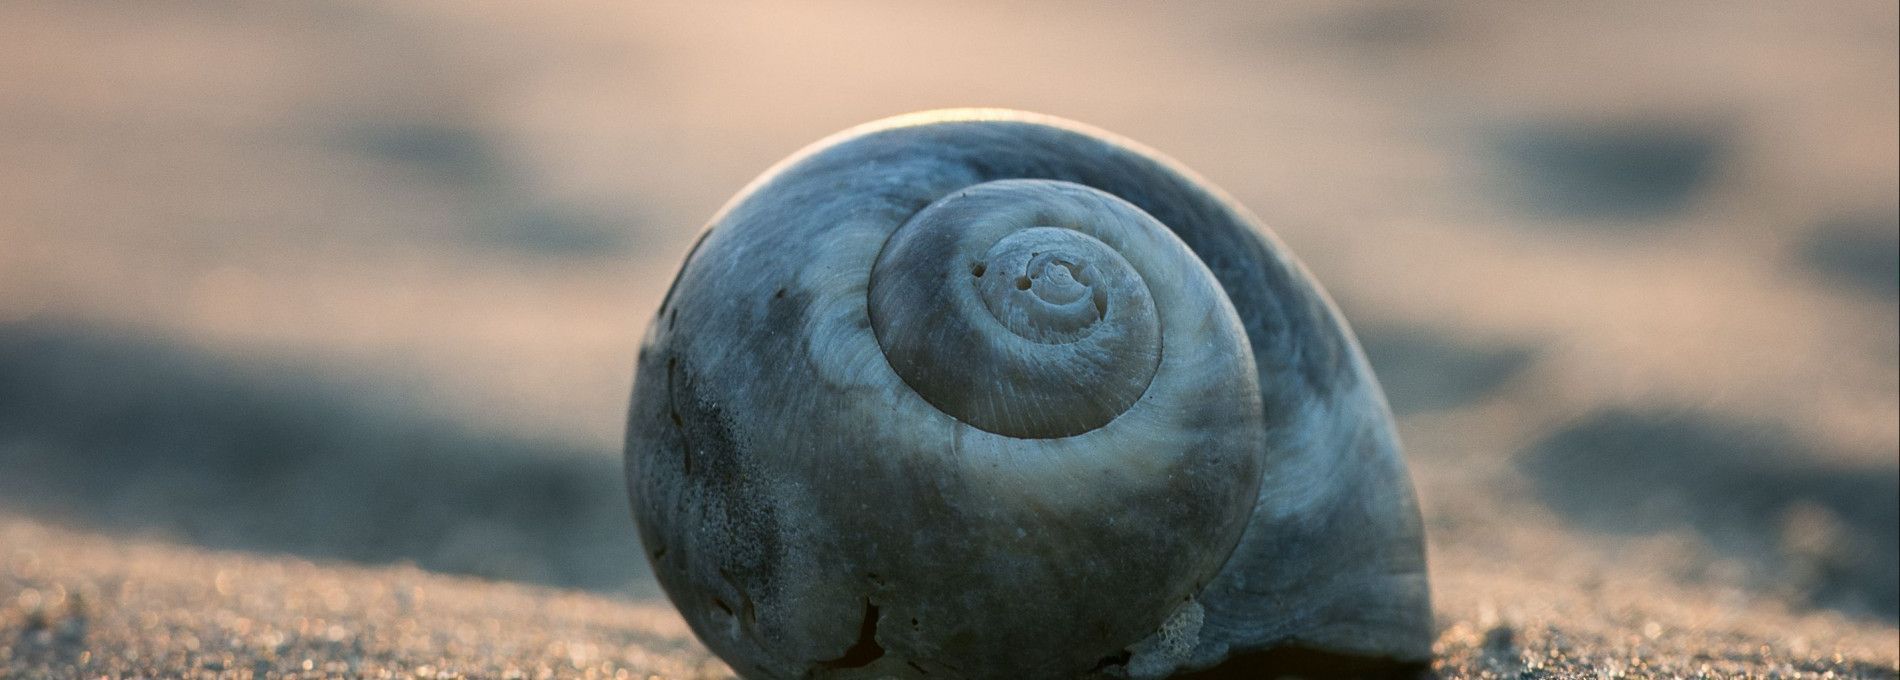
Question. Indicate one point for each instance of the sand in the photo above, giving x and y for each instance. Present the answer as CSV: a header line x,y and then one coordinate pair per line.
x,y
85,606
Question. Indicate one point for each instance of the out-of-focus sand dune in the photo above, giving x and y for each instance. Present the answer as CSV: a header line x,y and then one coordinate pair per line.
x,y
362,283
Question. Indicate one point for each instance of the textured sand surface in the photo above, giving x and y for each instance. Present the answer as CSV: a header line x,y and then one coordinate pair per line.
x,y
86,606
290,294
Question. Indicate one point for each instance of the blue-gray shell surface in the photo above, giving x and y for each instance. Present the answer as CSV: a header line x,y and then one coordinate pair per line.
x,y
856,447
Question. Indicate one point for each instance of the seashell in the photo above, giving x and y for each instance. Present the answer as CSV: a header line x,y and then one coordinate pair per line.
x,y
987,394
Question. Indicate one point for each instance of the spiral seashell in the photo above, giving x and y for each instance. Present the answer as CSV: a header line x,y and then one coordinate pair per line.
x,y
987,394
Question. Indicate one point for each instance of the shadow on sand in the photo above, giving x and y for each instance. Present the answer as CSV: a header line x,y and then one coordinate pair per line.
x,y
1422,369
1859,253
1822,533
1613,171
131,435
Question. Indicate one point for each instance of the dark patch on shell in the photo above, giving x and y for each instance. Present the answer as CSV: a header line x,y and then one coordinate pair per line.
x,y
865,650
736,498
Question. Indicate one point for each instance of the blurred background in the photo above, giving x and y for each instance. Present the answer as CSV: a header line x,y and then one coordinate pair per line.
x,y
363,282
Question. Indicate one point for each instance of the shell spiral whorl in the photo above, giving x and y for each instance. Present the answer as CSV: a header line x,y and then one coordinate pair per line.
x,y
982,394
1010,306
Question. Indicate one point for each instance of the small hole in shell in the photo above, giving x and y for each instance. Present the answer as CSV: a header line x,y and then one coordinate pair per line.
x,y
977,270
865,650
1113,661
1022,283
